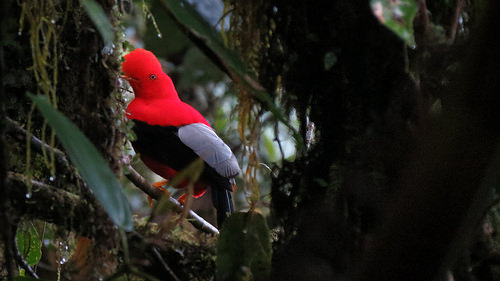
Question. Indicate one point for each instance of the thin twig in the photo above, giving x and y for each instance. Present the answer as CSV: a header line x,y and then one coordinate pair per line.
x,y
140,182
84,216
309,133
277,139
422,16
155,193
165,265
454,20
15,129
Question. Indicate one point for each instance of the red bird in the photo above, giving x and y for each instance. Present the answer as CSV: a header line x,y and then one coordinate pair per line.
x,y
171,134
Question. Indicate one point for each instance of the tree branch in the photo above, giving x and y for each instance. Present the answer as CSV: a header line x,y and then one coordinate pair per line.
x,y
164,264
54,205
19,133
454,21
421,21
16,131
155,193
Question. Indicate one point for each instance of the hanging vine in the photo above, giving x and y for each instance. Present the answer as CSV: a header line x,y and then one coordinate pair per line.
x,y
246,36
41,17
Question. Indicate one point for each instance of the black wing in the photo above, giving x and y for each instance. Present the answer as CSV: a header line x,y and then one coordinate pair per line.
x,y
162,144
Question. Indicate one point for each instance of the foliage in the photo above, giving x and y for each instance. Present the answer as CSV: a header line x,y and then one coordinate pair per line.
x,y
89,163
28,243
101,21
244,248
397,16
226,57
363,99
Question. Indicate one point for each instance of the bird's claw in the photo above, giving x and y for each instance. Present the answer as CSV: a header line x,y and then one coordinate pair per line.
x,y
158,185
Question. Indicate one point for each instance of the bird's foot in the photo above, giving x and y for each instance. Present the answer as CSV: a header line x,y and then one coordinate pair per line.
x,y
158,185
182,199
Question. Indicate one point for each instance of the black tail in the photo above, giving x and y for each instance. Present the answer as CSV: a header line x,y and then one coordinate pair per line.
x,y
223,203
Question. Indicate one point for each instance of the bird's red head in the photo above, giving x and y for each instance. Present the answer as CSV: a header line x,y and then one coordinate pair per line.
x,y
143,71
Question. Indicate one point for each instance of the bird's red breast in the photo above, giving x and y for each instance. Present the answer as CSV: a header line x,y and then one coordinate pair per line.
x,y
156,101
171,134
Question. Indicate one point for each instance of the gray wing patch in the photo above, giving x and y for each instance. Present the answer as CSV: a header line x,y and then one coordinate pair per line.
x,y
206,144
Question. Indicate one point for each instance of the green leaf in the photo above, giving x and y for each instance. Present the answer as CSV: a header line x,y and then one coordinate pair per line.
x,y
188,17
90,164
269,145
329,60
397,16
244,248
210,41
100,20
29,244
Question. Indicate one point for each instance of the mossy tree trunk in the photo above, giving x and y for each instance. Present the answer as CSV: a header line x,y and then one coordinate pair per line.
x,y
382,111
53,48
376,130
386,166
361,106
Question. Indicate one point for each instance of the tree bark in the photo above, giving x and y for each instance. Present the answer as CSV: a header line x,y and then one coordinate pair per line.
x,y
447,187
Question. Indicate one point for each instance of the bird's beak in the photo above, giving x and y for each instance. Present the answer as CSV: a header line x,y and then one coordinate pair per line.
x,y
128,78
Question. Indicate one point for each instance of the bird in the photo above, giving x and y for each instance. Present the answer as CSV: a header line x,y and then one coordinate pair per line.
x,y
171,134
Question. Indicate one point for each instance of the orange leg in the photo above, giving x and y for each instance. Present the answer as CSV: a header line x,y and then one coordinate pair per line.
x,y
198,192
182,199
158,185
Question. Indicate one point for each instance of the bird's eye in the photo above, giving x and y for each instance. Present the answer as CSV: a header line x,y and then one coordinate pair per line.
x,y
152,77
